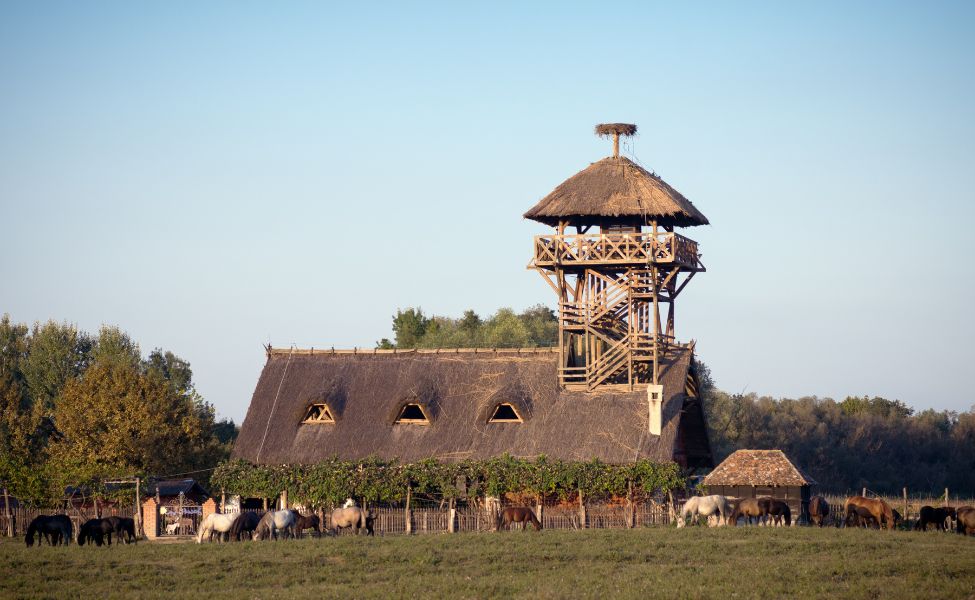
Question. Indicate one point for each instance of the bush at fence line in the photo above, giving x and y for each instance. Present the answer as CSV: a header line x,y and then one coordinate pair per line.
x,y
376,480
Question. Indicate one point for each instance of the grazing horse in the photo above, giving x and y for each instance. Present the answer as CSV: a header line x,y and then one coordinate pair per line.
x,y
244,526
351,517
778,511
938,516
706,506
865,518
965,520
879,510
56,528
274,521
94,532
518,514
125,530
750,508
216,523
818,510
306,522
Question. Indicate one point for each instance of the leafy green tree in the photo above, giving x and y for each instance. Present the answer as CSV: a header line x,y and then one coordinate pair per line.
x,y
56,353
409,325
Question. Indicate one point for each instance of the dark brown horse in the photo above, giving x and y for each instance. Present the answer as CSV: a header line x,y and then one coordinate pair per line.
x,y
518,514
818,510
879,510
937,516
865,518
244,525
965,520
310,522
777,511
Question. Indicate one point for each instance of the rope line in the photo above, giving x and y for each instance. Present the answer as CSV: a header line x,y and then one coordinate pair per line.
x,y
274,405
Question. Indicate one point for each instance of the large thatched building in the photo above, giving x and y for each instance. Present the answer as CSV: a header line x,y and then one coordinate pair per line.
x,y
618,387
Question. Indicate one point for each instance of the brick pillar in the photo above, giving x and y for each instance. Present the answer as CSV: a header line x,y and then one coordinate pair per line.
x,y
209,508
150,518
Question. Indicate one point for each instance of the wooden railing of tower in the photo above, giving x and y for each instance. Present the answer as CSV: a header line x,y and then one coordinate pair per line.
x,y
612,307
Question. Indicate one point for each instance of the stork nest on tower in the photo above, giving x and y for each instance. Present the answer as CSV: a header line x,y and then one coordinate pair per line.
x,y
609,129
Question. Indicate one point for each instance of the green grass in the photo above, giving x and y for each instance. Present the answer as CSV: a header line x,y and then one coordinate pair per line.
x,y
659,562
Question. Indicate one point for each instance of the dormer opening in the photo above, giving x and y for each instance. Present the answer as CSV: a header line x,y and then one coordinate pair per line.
x,y
505,413
318,413
413,413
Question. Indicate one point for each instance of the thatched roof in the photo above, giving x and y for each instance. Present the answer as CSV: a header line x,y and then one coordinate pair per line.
x,y
616,188
459,391
758,467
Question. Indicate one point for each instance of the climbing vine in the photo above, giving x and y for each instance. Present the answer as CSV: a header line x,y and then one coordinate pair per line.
x,y
331,481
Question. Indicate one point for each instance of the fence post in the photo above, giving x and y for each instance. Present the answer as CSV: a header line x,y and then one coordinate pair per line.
x,y
864,493
6,510
905,505
406,511
946,496
540,510
138,506
452,517
582,511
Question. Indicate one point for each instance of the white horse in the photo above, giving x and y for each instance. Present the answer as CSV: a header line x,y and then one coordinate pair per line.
x,y
349,503
219,523
274,521
706,506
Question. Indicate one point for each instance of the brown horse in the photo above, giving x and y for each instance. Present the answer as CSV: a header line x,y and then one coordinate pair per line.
x,y
310,522
877,508
937,516
965,516
818,510
750,508
518,514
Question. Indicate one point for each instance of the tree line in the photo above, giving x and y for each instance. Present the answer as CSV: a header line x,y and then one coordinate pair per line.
x,y
846,445
373,480
536,326
77,408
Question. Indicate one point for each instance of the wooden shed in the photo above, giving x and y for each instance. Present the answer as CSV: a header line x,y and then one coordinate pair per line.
x,y
758,473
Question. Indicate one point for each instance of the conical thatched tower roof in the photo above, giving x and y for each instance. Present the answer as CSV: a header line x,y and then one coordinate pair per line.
x,y
615,189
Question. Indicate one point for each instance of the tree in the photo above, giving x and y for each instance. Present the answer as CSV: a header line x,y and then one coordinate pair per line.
x,y
56,353
116,420
409,325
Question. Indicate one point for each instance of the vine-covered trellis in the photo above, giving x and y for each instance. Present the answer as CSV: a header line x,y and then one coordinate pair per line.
x,y
376,480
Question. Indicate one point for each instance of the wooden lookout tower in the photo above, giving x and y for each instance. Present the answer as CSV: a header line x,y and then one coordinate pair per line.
x,y
614,275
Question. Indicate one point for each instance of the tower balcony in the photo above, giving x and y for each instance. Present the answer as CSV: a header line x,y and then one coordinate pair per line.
x,y
623,249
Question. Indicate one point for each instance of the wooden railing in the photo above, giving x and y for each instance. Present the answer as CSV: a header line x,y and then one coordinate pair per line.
x,y
615,248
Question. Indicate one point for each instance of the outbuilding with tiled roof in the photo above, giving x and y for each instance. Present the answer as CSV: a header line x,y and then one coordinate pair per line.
x,y
762,473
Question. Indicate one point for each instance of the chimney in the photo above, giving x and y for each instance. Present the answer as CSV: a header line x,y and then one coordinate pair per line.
x,y
655,401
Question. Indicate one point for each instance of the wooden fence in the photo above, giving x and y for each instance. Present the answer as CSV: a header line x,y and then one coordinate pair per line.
x,y
21,517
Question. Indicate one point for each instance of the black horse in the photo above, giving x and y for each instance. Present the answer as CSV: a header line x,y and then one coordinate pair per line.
x,y
124,528
94,531
246,523
938,516
56,528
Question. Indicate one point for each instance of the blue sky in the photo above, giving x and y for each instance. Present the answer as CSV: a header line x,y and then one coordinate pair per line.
x,y
212,177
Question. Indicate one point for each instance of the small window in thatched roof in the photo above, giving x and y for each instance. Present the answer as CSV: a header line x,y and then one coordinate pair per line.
x,y
413,413
318,413
505,413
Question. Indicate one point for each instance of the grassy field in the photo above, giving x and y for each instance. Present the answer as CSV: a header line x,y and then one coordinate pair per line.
x,y
658,562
